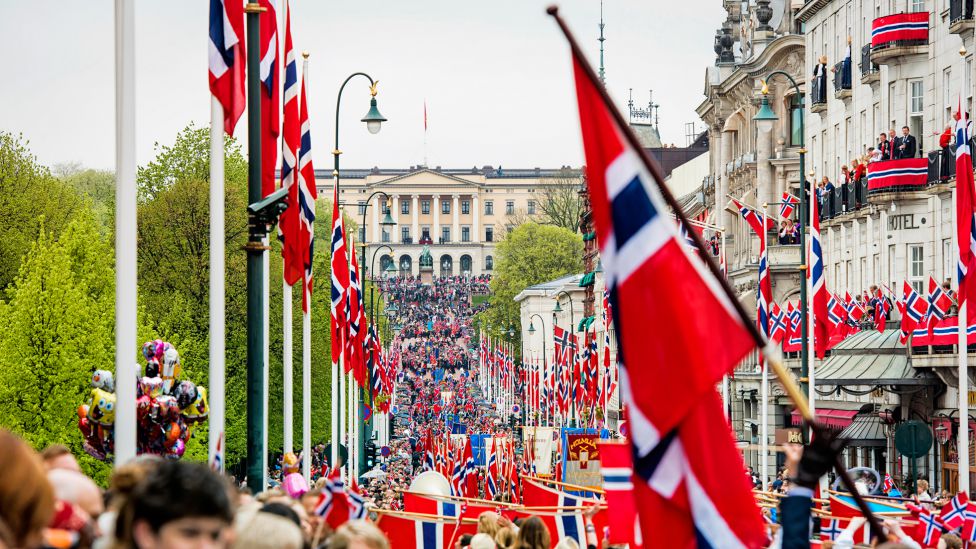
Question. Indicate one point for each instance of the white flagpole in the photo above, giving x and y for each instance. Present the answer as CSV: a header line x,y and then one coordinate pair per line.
x,y
811,324
217,319
963,446
286,363
725,378
764,431
126,251
306,361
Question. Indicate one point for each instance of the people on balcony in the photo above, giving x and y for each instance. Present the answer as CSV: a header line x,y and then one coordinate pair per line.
x,y
788,232
905,146
884,147
948,157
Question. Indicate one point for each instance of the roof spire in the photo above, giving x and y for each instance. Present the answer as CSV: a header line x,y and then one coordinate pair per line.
x,y
603,79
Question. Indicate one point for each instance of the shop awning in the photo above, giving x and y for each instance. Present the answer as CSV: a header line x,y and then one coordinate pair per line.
x,y
866,430
838,419
871,358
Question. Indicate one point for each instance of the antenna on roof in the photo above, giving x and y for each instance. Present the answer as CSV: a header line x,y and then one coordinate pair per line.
x,y
603,79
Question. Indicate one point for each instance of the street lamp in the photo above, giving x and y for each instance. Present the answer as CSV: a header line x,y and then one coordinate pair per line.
x,y
765,117
373,119
542,323
572,322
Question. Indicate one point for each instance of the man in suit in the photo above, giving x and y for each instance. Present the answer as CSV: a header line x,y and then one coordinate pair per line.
x,y
905,146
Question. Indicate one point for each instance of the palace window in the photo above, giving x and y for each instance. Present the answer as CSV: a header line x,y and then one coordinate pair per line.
x,y
404,207
445,206
425,207
531,207
509,207
465,234
465,207
489,207
362,207
489,263
489,234
405,234
445,234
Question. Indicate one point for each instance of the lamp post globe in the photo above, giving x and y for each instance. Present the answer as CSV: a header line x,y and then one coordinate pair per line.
x,y
373,119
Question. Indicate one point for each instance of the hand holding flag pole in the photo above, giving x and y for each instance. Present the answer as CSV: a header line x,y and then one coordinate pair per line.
x,y
773,355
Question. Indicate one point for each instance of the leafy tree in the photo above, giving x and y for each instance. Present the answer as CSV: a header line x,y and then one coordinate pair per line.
x,y
28,194
57,329
560,203
97,188
189,158
530,254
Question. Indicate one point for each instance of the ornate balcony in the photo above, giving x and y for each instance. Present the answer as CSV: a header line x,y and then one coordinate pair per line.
x,y
960,16
842,80
896,178
899,35
819,88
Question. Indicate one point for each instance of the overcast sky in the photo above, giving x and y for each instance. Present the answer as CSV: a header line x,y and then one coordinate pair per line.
x,y
496,75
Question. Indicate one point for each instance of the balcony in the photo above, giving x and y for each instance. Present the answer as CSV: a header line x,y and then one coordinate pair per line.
x,y
960,16
897,178
844,199
406,240
819,89
870,73
842,80
899,35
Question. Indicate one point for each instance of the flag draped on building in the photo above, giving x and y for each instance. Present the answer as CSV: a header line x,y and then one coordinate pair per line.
x,y
227,59
688,474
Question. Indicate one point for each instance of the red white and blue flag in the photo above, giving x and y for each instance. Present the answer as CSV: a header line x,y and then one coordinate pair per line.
x,y
900,27
688,474
953,514
227,59
777,324
291,249
788,205
307,195
821,330
965,211
939,304
764,293
340,280
270,73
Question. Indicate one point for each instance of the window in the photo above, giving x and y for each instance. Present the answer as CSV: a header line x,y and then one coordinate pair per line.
x,y
362,207
531,207
891,264
445,234
914,97
876,119
489,263
509,207
489,234
864,272
917,5
946,92
796,122
404,207
465,234
384,207
362,234
891,105
946,258
489,207
465,207
405,234
916,267
445,206
386,236
425,207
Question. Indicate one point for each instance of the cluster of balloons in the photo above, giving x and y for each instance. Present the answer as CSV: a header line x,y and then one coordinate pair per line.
x,y
167,409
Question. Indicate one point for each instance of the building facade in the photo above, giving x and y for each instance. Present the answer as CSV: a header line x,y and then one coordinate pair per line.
x,y
460,215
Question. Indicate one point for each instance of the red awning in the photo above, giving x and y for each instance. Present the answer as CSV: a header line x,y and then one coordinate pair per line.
x,y
837,419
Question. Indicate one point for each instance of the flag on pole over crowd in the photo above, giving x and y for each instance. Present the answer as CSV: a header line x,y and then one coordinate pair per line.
x,y
685,461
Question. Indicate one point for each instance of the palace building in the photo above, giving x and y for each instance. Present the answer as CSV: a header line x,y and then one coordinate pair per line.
x,y
458,214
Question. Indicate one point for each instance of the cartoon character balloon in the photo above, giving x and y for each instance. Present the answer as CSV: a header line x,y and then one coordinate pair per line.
x,y
102,379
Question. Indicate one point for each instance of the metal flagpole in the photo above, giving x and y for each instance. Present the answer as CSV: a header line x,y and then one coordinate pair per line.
x,y
306,359
266,315
342,400
286,363
126,251
217,319
725,378
764,431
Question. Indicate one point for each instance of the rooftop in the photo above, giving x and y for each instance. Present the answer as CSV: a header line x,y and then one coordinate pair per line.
x,y
489,172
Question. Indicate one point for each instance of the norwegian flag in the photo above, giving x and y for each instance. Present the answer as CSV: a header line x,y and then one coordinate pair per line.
x,y
954,513
965,209
969,525
794,336
270,74
688,479
227,59
913,311
764,292
491,474
881,306
777,324
291,249
929,529
340,280
356,342
889,483
830,529
939,304
836,313
788,205
855,312
307,195
412,532
821,329
617,469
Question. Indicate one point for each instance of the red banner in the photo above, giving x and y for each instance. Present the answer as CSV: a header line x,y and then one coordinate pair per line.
x,y
899,27
896,174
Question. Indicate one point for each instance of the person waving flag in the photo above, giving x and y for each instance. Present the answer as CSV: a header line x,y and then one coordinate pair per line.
x,y
688,477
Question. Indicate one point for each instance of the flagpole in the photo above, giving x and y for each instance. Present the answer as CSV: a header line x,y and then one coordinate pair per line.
x,y
215,419
126,249
335,417
286,363
963,446
266,389
764,431
812,331
725,378
306,354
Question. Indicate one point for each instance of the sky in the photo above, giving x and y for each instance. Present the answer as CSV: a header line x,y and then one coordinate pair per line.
x,y
496,76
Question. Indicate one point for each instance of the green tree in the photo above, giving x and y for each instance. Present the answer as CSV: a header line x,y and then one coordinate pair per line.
x,y
529,254
560,203
28,194
57,329
97,188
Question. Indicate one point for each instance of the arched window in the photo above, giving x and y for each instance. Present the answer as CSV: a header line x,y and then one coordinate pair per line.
x,y
489,263
465,264
447,265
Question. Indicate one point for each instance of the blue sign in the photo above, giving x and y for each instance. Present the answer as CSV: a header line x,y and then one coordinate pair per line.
x,y
385,451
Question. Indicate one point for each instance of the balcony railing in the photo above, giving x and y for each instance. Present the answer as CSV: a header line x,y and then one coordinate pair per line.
x,y
842,78
406,240
960,10
900,30
868,68
819,90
